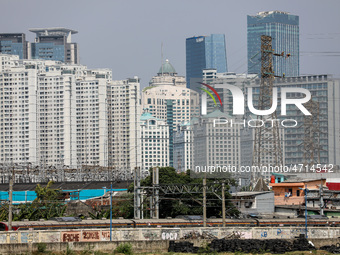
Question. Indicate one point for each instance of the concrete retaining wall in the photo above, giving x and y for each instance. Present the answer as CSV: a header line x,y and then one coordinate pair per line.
x,y
153,240
137,247
159,246
153,234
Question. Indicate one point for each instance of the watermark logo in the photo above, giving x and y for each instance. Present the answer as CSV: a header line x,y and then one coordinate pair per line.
x,y
239,100
204,97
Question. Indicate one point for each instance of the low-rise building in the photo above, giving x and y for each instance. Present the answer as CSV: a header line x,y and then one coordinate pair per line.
x,y
299,211
333,183
330,198
251,202
291,191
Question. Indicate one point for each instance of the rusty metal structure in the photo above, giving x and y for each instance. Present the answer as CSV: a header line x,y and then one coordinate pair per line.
x,y
267,141
311,142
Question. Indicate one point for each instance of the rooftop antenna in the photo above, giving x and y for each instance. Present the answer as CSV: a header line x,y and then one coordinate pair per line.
x,y
162,57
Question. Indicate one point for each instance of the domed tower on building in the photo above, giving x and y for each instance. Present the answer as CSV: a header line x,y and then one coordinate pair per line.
x,y
168,98
167,75
167,69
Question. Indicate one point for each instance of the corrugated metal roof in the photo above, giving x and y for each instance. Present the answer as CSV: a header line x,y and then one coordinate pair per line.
x,y
285,184
302,180
249,193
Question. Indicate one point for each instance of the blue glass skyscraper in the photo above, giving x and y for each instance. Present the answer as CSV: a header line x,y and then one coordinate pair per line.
x,y
284,30
13,44
203,52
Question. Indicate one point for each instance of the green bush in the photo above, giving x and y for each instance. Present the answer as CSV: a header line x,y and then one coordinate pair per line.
x,y
205,249
125,248
100,253
41,247
87,251
69,251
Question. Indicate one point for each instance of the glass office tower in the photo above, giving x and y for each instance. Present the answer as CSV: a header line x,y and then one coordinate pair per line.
x,y
203,52
55,44
284,30
13,44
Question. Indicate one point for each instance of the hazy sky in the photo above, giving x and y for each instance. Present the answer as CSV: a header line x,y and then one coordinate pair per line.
x,y
126,36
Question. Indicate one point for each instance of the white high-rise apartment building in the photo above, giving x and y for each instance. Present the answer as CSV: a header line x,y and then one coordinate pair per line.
x,y
155,140
124,123
92,117
55,114
8,61
52,113
18,111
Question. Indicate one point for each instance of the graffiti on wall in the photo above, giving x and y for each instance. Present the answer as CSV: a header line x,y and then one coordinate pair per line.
x,y
91,236
151,234
297,231
13,238
210,233
161,234
261,233
3,238
319,233
31,237
128,235
170,234
106,236
71,236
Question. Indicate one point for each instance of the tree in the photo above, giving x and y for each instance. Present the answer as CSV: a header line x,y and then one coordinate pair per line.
x,y
4,212
49,203
189,204
121,207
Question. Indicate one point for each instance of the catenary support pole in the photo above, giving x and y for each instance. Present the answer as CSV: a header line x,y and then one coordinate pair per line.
x,y
111,213
306,213
223,204
205,201
10,198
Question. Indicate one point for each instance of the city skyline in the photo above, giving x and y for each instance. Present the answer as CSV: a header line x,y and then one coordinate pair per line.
x,y
127,37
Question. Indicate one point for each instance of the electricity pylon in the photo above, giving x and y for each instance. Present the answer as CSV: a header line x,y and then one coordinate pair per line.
x,y
311,141
267,141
